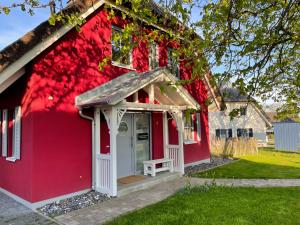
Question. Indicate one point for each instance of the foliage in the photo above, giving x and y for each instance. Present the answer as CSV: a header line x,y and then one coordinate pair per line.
x,y
221,205
267,164
254,44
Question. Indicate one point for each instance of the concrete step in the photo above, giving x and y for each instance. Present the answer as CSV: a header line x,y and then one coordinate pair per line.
x,y
148,182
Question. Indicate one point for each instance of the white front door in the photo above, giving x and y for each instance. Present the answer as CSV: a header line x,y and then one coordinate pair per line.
x,y
125,156
141,140
133,144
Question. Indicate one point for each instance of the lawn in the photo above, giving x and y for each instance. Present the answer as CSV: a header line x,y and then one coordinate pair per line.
x,y
267,164
221,206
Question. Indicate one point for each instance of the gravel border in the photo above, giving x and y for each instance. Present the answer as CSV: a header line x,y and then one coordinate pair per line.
x,y
70,204
214,162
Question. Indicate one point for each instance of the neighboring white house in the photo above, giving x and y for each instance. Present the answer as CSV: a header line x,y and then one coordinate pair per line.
x,y
287,135
252,121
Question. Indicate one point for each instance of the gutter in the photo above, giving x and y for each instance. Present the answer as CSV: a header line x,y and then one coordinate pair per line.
x,y
93,146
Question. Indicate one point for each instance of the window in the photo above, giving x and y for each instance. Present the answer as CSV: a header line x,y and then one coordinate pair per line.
x,y
198,126
173,63
224,133
4,131
154,56
120,56
242,132
243,111
15,137
188,128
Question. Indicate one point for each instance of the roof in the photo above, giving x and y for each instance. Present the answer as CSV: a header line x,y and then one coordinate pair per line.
x,y
15,56
288,120
233,95
116,90
18,48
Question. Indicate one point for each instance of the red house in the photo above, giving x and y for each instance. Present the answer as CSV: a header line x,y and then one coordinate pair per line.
x,y
68,127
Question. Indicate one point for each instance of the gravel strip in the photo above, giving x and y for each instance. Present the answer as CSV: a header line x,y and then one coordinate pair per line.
x,y
214,162
73,203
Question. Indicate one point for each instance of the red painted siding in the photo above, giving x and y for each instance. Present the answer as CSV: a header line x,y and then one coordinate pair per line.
x,y
56,141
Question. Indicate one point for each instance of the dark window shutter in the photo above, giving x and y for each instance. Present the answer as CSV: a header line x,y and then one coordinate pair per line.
x,y
229,133
238,132
217,133
250,132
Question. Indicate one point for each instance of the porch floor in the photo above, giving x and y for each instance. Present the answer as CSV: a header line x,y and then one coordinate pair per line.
x,y
148,182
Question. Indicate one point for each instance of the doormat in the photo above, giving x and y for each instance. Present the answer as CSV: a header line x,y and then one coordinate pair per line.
x,y
130,179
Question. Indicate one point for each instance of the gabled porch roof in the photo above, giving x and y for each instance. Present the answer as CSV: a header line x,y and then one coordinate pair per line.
x,y
158,83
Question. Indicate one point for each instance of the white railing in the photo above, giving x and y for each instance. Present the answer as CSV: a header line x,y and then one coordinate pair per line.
x,y
172,152
103,174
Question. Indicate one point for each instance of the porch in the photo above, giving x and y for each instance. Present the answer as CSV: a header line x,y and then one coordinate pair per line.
x,y
146,182
110,100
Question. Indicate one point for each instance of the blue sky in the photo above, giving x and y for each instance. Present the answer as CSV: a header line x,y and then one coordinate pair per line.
x,y
17,23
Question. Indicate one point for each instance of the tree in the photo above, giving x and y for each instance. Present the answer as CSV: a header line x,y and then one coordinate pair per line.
x,y
254,44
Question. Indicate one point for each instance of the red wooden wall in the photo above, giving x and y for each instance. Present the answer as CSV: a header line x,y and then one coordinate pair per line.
x,y
56,141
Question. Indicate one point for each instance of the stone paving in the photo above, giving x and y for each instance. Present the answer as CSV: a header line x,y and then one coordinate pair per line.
x,y
110,209
14,213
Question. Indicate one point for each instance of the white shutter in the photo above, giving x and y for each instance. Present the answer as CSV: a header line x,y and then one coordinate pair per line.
x,y
4,132
198,126
17,133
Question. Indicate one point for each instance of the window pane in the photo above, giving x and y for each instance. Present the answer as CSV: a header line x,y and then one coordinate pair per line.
x,y
173,63
118,54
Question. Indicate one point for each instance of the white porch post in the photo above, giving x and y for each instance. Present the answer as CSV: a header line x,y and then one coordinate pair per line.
x,y
113,149
96,139
165,133
180,140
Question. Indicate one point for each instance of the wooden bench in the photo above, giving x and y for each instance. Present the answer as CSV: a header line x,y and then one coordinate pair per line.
x,y
150,166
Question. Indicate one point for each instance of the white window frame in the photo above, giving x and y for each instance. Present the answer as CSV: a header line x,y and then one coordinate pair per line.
x,y
189,126
116,63
224,133
152,57
16,137
170,59
4,132
198,122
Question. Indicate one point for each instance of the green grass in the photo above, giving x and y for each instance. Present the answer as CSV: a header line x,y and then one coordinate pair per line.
x,y
267,164
221,206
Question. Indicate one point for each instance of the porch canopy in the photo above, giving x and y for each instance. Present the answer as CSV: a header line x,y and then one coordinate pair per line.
x,y
160,85
165,95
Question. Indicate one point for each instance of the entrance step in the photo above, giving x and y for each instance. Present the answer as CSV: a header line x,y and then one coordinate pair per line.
x,y
146,183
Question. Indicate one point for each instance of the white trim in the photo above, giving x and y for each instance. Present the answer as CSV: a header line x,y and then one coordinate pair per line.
x,y
151,94
121,65
11,159
189,142
212,92
17,133
5,81
4,132
198,162
151,107
16,66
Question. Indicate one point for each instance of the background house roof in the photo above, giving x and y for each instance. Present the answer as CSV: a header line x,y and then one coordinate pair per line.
x,y
233,95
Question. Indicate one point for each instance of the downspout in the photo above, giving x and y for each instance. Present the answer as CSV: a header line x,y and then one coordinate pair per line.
x,y
93,145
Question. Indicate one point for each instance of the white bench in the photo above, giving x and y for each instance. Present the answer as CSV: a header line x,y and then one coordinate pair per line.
x,y
150,166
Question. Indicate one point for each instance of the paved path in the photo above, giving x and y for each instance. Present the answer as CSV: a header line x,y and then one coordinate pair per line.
x,y
249,182
14,213
110,209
